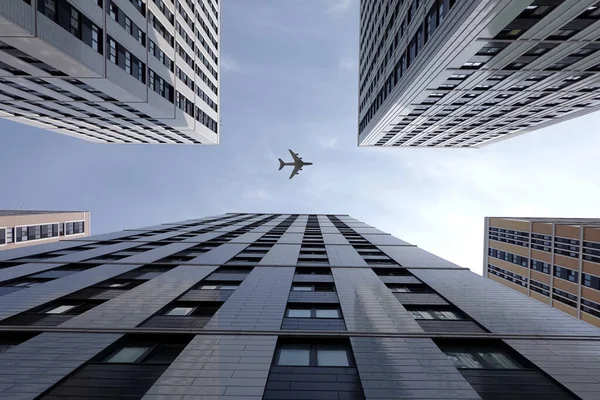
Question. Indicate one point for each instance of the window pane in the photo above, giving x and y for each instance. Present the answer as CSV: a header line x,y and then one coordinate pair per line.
x,y
298,313
180,311
127,355
328,313
229,287
332,358
302,288
422,315
464,360
400,290
291,356
209,287
60,309
445,315
499,361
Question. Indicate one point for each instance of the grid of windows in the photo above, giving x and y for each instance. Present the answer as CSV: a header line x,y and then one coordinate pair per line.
x,y
506,256
508,275
73,21
471,108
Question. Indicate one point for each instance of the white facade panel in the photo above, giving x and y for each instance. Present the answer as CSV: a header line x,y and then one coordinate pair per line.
x,y
72,88
16,18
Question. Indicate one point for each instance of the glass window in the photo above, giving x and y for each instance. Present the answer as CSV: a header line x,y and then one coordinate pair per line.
x,y
180,311
402,289
498,361
60,309
209,287
332,358
294,356
445,315
118,285
421,315
229,287
298,288
464,360
299,313
128,355
331,313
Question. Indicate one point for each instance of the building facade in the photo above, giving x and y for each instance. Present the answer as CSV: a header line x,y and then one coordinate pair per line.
x,y
20,228
112,71
553,260
458,73
275,306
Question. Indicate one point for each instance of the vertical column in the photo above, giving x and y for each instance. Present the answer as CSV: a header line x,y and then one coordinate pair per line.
x,y
580,270
411,368
368,305
135,306
258,303
218,367
31,368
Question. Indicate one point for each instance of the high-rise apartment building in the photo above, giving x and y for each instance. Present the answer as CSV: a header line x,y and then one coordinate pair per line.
x,y
20,228
553,260
112,71
458,73
275,306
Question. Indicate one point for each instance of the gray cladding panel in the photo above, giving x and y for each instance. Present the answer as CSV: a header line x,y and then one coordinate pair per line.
x,y
291,237
18,271
399,279
313,324
368,305
573,363
501,309
313,278
22,252
410,256
335,238
313,297
220,255
344,255
258,303
385,240
158,253
281,254
23,300
217,367
251,237
29,369
133,307
411,368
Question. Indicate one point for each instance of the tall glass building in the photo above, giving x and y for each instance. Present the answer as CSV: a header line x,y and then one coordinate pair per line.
x,y
275,306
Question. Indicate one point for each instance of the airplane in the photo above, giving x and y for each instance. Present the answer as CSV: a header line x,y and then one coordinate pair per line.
x,y
298,164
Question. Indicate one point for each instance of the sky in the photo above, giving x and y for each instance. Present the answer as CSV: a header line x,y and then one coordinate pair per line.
x,y
289,80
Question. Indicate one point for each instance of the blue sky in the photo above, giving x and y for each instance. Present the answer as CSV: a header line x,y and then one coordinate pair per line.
x,y
289,80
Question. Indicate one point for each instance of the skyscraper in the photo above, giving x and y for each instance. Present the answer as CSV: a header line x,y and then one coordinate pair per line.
x,y
112,71
553,260
275,306
19,228
455,73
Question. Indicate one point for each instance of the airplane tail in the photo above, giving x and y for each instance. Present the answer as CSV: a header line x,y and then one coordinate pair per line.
x,y
281,164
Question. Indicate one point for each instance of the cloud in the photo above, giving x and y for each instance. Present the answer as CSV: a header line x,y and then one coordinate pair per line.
x,y
339,7
229,65
257,194
348,65
328,143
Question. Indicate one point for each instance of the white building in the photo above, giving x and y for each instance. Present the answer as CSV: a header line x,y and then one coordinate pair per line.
x,y
466,73
113,71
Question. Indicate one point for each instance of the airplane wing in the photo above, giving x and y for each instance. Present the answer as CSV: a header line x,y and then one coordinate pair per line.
x,y
297,169
295,157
